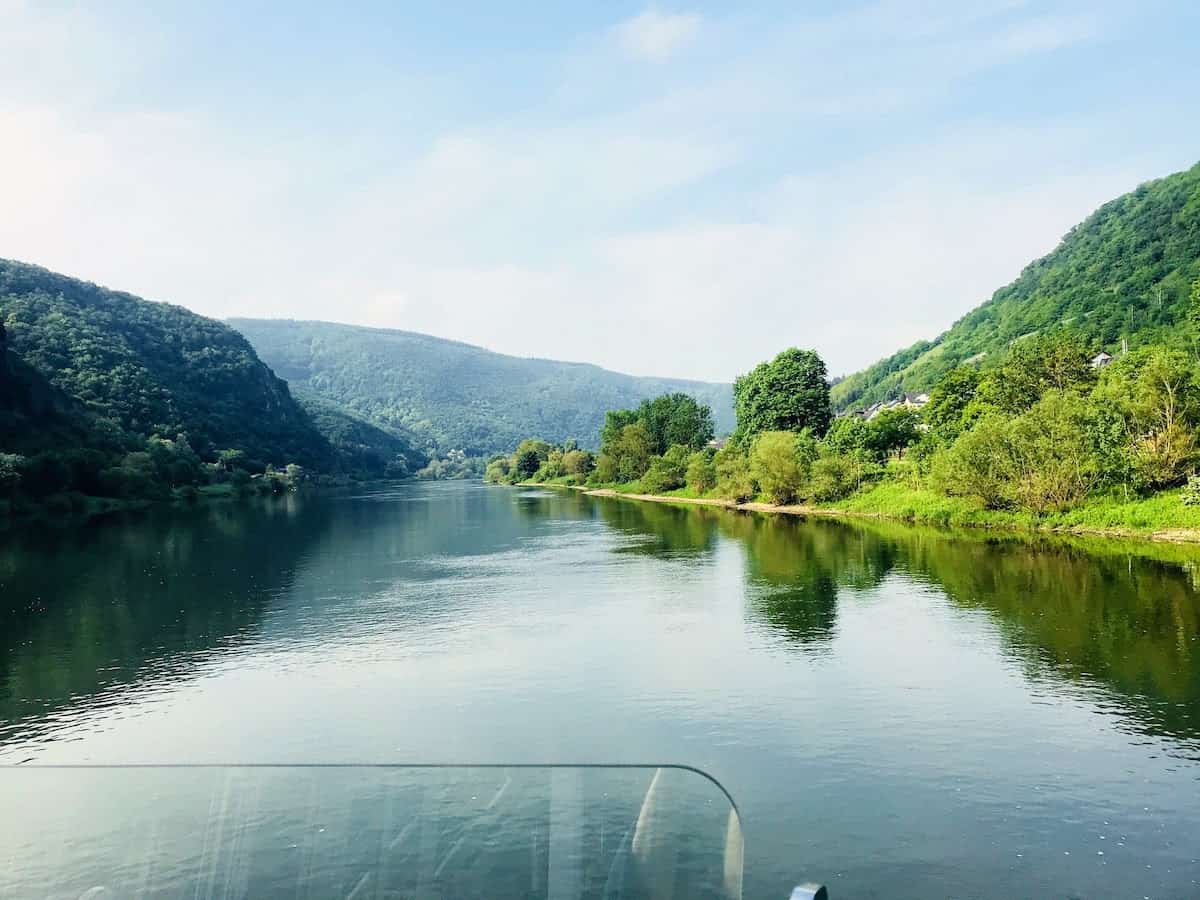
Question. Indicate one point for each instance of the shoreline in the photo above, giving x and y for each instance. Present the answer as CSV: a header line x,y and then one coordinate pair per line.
x,y
1180,536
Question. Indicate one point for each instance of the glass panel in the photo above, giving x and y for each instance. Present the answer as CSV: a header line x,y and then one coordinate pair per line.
x,y
367,832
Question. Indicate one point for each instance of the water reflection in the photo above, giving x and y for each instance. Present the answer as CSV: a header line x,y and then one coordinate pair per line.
x,y
902,705
662,529
89,611
1121,617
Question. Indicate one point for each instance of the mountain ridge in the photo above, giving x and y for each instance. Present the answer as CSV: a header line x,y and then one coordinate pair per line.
x,y
449,394
1122,274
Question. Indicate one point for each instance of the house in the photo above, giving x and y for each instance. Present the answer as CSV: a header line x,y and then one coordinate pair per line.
x,y
1100,360
905,401
718,443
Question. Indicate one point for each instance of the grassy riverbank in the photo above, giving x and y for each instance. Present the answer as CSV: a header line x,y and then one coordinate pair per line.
x,y
1162,517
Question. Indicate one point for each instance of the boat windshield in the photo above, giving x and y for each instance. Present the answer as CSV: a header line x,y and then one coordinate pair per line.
x,y
368,832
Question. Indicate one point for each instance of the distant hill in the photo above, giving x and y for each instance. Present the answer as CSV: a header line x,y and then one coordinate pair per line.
x,y
79,351
448,395
1122,274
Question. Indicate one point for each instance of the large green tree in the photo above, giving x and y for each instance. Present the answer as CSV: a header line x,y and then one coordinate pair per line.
x,y
676,419
789,393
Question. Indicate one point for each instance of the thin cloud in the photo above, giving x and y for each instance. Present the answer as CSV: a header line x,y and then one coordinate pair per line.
x,y
849,181
656,36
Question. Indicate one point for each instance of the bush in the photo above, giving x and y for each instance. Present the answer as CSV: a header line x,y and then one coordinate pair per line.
x,y
578,463
1045,459
496,471
734,480
633,452
836,476
605,471
701,475
977,465
667,472
1191,491
776,465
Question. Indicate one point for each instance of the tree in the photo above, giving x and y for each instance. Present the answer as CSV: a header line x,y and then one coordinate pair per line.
x,y
1156,391
1053,464
1038,364
578,463
605,471
946,410
230,459
667,472
1047,458
529,456
553,466
833,476
633,451
615,421
846,434
676,419
497,470
891,431
789,393
701,476
1194,305
777,466
734,481
977,464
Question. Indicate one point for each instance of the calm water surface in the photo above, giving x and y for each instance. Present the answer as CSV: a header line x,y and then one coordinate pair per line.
x,y
897,712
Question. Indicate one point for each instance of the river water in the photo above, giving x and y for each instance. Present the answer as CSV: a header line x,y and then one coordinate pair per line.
x,y
897,712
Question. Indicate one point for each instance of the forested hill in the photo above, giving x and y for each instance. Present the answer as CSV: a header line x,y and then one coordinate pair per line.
x,y
147,369
450,395
1123,273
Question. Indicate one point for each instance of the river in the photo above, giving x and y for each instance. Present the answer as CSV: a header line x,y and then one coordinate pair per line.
x,y
897,712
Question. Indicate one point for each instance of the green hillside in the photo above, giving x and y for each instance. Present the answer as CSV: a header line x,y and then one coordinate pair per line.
x,y
153,368
449,395
35,416
1122,274
107,398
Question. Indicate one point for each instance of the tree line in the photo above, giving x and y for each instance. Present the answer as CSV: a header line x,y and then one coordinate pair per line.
x,y
1042,429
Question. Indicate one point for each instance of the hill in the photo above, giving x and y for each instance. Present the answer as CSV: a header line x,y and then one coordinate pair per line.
x,y
448,395
36,416
1121,274
153,368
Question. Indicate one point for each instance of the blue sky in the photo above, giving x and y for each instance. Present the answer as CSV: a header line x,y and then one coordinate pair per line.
x,y
665,189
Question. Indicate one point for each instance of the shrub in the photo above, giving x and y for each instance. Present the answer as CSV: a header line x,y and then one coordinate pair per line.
x,y
1191,491
734,480
701,475
1045,459
836,476
605,471
578,463
667,472
977,465
496,471
776,465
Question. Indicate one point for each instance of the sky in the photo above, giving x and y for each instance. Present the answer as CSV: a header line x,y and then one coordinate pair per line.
x,y
677,190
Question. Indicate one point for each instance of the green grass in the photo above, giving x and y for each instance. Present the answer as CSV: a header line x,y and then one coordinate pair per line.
x,y
1161,512
896,500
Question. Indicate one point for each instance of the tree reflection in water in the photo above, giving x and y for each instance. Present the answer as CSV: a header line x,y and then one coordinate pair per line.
x,y
1123,617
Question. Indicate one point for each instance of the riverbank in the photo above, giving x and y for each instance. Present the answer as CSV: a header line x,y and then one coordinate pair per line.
x,y
1161,518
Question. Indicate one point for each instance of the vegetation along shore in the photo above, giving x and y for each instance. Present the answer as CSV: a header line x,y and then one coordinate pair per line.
x,y
1070,401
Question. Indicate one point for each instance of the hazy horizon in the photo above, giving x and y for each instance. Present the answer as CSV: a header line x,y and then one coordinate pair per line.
x,y
679,191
